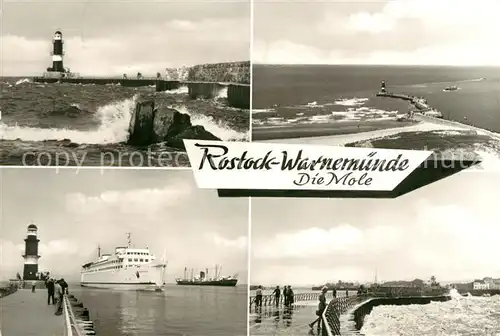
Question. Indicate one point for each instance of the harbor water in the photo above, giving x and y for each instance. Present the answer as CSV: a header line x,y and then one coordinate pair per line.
x,y
178,311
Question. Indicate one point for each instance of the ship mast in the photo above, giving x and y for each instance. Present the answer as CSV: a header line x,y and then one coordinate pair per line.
x,y
98,251
129,241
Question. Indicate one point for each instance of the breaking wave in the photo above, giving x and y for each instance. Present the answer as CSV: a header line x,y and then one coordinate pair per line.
x,y
351,101
217,128
114,121
22,81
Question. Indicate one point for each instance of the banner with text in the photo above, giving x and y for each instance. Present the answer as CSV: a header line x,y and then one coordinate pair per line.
x,y
239,169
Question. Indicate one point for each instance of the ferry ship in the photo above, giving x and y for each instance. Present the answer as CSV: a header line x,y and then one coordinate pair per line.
x,y
204,280
129,269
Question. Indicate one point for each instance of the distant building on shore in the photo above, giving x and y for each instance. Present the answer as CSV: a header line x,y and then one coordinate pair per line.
x,y
486,283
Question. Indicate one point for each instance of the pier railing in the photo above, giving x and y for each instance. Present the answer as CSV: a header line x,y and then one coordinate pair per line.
x,y
76,324
340,305
270,299
337,307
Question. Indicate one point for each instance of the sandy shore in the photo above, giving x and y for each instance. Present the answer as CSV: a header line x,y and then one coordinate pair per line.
x,y
307,131
446,138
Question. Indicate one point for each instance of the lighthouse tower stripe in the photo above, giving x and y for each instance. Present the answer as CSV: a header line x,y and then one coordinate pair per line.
x,y
32,260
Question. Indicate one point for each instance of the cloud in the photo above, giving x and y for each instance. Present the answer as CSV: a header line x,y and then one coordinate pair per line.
x,y
239,243
55,255
419,239
396,32
149,48
136,201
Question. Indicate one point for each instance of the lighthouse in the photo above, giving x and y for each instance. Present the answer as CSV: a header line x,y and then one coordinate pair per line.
x,y
382,87
57,53
31,254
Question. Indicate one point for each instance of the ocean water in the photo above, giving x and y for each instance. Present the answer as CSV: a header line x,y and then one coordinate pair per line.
x,y
71,124
462,316
325,98
178,311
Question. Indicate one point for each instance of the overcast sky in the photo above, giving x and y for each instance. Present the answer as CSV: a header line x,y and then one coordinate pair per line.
x,y
443,32
161,209
120,36
448,229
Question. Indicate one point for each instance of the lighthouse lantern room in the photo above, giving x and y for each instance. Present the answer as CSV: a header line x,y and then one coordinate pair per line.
x,y
31,254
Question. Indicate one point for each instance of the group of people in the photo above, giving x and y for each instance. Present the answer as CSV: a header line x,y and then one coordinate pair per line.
x,y
55,293
288,296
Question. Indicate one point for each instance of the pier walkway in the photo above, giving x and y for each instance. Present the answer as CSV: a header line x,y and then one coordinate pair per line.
x,y
274,319
283,321
26,313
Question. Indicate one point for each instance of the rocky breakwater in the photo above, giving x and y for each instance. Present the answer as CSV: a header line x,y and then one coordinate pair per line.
x,y
151,125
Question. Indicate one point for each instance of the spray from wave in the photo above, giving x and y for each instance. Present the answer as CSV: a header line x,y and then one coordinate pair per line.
x,y
180,90
22,81
217,128
222,94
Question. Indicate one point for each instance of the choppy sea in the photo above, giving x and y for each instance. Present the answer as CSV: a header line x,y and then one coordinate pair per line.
x,y
72,124
315,94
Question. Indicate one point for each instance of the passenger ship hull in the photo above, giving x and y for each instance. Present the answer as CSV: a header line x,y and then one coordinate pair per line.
x,y
144,278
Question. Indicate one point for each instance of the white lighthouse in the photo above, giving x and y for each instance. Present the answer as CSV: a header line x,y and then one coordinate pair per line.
x,y
57,53
31,256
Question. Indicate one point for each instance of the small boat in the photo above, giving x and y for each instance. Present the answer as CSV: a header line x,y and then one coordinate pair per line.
x,y
450,88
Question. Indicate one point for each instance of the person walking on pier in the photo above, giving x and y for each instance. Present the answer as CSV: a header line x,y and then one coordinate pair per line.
x,y
346,293
258,297
50,291
33,286
321,308
59,298
277,295
334,293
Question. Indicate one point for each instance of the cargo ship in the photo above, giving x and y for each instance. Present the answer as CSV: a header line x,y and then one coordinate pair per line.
x,y
129,269
204,280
